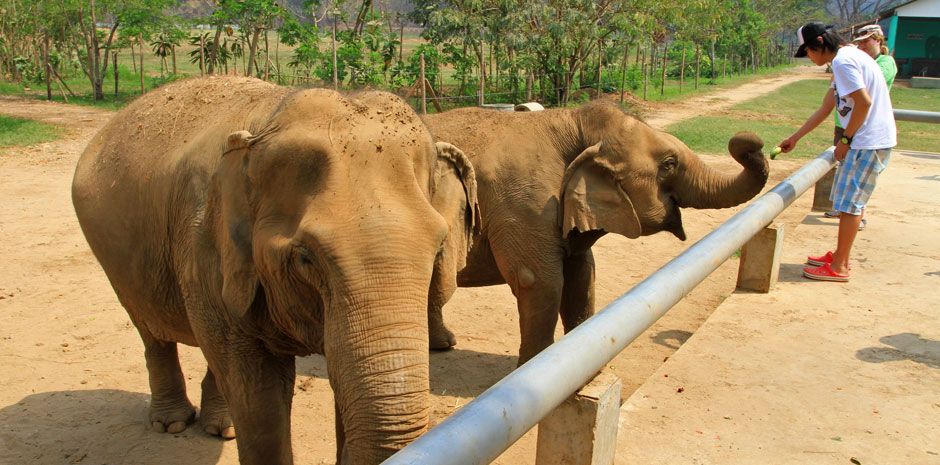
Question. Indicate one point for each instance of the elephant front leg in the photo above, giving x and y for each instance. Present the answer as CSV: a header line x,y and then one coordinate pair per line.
x,y
258,387
170,409
577,297
214,415
538,298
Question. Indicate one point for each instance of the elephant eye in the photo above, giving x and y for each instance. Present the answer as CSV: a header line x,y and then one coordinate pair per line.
x,y
669,165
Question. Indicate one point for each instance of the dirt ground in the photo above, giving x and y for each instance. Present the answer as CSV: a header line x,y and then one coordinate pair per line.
x,y
74,386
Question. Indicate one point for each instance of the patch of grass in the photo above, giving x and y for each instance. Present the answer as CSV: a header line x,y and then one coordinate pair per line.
x,y
16,132
777,115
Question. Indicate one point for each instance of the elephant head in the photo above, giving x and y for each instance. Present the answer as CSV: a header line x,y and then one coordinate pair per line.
x,y
632,179
327,240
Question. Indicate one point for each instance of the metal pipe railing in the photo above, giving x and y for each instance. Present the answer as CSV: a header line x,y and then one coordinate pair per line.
x,y
488,425
917,116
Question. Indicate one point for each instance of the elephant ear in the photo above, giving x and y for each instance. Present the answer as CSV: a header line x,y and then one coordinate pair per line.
x,y
448,153
592,198
233,227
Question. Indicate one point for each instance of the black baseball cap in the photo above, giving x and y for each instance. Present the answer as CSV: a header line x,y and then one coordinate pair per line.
x,y
808,33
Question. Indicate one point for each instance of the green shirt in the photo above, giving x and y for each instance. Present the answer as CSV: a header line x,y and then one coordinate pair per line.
x,y
888,68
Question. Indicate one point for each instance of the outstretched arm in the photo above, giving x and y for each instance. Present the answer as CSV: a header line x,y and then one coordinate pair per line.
x,y
820,115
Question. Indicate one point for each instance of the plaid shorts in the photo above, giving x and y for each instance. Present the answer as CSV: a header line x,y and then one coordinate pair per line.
x,y
856,177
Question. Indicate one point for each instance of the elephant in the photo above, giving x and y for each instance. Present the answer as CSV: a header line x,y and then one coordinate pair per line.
x,y
551,183
261,223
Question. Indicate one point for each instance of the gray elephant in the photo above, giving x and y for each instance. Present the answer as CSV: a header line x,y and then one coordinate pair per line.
x,y
551,183
260,223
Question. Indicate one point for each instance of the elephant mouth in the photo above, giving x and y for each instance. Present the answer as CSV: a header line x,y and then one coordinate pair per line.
x,y
673,223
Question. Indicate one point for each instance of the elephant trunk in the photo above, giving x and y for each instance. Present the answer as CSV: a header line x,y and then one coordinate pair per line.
x,y
376,342
707,188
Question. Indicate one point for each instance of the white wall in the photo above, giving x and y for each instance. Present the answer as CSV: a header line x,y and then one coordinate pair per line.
x,y
922,9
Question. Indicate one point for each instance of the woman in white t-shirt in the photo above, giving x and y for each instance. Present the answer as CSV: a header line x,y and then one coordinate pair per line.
x,y
860,96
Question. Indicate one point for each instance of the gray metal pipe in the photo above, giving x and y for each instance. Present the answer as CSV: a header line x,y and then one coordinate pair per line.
x,y
488,425
917,116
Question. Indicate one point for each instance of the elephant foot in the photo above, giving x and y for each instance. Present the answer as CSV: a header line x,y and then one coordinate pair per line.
x,y
442,339
215,419
172,418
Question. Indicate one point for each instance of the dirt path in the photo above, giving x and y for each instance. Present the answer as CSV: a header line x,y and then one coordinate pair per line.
x,y
717,102
75,387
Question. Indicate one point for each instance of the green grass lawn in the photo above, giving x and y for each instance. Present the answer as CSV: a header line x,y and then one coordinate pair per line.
x,y
23,132
775,116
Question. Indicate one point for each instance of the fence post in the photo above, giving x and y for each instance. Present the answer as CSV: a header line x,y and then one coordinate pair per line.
x,y
821,192
140,41
760,260
583,429
116,77
335,79
423,83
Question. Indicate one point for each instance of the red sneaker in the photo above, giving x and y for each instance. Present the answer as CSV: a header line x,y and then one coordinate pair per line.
x,y
825,273
822,260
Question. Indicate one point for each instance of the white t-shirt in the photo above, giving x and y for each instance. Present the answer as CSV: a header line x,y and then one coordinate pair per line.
x,y
853,69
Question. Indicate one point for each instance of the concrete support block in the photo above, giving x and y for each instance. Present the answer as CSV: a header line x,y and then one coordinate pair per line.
x,y
760,260
821,200
583,429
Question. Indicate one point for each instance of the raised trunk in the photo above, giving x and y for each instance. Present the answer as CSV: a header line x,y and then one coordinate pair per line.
x,y
707,188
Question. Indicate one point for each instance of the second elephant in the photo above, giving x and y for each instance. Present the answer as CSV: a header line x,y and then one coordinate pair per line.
x,y
551,183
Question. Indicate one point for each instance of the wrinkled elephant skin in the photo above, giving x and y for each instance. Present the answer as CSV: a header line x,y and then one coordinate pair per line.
x,y
260,223
551,183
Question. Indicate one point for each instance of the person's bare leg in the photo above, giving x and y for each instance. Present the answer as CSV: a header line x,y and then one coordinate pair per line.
x,y
848,229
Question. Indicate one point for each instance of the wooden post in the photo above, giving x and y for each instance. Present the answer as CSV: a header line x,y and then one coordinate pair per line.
x,y
600,60
821,192
623,70
583,429
335,72
759,267
423,83
114,56
682,69
140,40
646,75
698,63
480,98
662,85
47,67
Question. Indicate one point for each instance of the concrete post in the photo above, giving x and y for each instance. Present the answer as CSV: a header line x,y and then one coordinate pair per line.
x,y
821,200
760,260
583,429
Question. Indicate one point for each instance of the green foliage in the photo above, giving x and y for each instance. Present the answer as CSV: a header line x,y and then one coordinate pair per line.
x,y
779,114
23,132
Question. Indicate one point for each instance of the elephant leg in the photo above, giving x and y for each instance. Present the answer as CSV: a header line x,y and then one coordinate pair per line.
x,y
536,280
443,286
577,296
214,415
258,387
170,409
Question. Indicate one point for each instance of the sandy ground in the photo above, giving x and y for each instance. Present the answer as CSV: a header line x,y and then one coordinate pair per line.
x,y
74,386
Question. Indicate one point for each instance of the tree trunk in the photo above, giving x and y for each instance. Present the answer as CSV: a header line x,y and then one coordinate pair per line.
x,y
214,49
252,49
173,51
712,55
646,75
202,56
600,62
623,70
698,63
335,72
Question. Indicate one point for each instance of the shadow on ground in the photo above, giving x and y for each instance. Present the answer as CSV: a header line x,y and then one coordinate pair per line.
x,y
102,424
904,346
